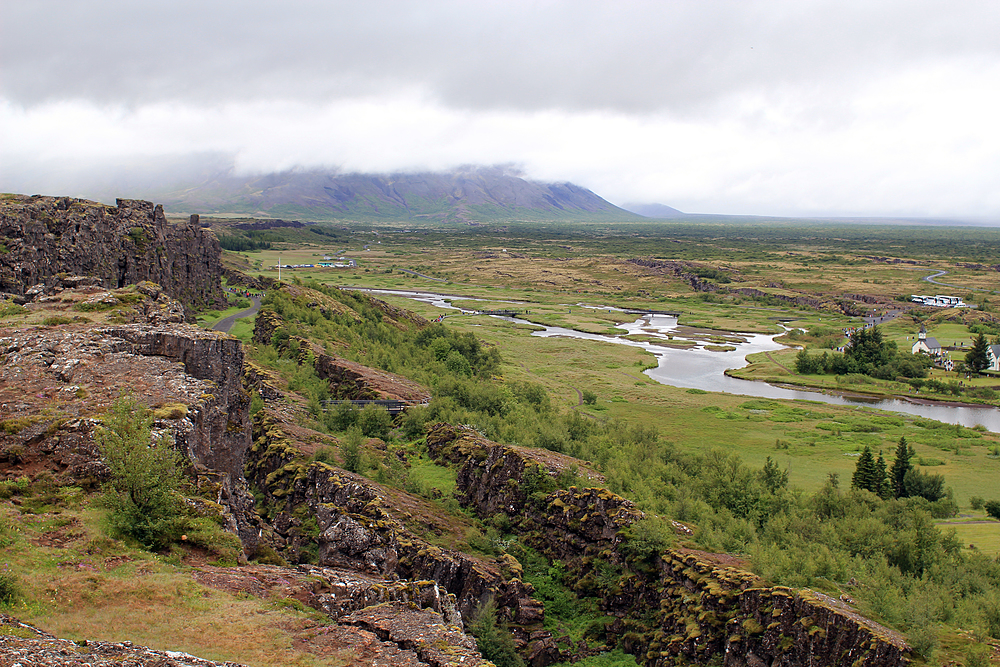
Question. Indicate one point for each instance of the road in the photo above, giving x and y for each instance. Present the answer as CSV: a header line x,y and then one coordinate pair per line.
x,y
938,274
226,324
420,275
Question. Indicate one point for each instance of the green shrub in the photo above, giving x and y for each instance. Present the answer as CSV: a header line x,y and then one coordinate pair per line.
x,y
350,451
493,639
375,421
647,538
8,308
138,236
992,508
616,658
10,588
342,417
145,475
94,307
14,487
205,533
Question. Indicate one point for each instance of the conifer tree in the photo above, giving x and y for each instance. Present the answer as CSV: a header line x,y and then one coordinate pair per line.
x,y
864,473
881,481
977,359
900,467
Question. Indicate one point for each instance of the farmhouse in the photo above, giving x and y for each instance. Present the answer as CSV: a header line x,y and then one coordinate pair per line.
x,y
993,353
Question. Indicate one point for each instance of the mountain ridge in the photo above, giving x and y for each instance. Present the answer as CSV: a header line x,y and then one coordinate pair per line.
x,y
656,211
464,196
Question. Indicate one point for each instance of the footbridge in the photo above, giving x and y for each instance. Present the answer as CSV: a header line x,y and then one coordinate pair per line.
x,y
394,407
501,313
642,311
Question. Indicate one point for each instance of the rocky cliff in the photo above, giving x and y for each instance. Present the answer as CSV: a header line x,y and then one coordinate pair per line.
x,y
670,606
42,237
58,378
341,520
348,380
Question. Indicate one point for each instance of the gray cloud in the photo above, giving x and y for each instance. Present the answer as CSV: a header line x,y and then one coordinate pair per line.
x,y
579,55
776,107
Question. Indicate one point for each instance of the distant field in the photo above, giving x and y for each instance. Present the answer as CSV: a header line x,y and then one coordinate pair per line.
x,y
975,529
559,269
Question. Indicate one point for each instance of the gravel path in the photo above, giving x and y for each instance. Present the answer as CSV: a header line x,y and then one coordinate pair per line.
x,y
226,324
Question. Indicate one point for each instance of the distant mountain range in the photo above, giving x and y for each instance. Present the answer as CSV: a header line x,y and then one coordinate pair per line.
x,y
472,195
658,211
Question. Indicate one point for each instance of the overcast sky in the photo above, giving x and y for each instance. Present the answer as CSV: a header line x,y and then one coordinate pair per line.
x,y
798,107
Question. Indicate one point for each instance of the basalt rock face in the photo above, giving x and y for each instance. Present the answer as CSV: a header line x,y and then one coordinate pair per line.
x,y
220,433
347,521
118,245
57,380
352,380
806,627
670,606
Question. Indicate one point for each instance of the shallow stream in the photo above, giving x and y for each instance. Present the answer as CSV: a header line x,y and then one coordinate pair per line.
x,y
695,367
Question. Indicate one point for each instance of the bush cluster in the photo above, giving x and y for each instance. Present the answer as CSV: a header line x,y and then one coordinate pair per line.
x,y
867,353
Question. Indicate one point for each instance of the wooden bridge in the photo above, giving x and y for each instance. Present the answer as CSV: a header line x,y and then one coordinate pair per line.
x,y
639,311
394,407
501,313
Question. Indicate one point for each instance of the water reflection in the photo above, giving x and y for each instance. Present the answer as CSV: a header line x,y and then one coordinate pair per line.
x,y
695,367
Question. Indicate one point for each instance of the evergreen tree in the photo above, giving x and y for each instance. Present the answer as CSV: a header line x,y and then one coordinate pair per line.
x,y
867,346
350,450
881,481
864,473
900,467
772,476
808,365
977,359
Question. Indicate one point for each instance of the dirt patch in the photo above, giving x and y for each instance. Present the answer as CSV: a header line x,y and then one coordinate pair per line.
x,y
258,581
724,560
61,537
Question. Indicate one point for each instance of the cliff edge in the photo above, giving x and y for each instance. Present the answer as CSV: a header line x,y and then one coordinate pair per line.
x,y
43,237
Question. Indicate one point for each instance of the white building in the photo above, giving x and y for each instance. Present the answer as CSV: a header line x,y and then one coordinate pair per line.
x,y
993,353
926,345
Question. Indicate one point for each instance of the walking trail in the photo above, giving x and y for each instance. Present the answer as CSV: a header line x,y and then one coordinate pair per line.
x,y
226,324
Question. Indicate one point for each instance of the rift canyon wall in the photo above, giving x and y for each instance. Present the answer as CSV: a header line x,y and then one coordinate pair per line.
x,y
41,237
672,606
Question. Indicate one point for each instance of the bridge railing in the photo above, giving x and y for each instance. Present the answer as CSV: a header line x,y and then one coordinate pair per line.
x,y
394,407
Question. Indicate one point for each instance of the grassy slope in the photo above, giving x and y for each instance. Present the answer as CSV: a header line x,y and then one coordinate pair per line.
x,y
79,584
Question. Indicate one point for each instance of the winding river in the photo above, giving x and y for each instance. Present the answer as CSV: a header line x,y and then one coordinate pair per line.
x,y
696,367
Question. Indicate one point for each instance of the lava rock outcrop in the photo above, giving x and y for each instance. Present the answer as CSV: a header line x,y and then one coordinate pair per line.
x,y
669,607
120,245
